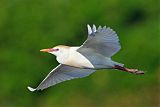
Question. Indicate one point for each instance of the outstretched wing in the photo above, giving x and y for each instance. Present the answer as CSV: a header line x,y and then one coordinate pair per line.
x,y
102,40
62,73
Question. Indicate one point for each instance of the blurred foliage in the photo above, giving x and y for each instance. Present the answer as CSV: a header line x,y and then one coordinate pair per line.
x,y
26,26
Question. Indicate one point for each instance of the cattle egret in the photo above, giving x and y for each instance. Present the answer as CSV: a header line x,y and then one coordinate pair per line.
x,y
78,62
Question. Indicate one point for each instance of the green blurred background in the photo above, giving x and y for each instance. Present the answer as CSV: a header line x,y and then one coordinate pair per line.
x,y
26,26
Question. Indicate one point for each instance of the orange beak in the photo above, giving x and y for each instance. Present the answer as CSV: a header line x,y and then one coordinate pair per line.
x,y
46,50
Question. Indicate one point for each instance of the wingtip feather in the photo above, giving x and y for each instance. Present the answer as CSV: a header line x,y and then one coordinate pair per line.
x,y
94,28
89,29
31,89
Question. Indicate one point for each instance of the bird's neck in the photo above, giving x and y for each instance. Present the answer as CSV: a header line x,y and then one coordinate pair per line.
x,y
63,56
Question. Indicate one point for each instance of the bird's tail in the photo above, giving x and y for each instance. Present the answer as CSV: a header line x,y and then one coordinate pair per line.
x,y
133,71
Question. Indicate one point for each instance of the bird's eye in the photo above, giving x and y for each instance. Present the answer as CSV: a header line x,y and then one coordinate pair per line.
x,y
54,49
57,49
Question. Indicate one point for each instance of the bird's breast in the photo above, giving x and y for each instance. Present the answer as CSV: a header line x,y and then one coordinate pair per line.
x,y
77,60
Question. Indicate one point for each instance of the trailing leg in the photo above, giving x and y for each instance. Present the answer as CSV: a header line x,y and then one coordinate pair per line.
x,y
133,71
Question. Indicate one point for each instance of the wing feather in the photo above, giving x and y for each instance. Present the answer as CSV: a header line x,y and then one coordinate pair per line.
x,y
103,40
62,73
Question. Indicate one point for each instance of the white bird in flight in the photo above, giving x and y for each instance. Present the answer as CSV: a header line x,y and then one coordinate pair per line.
x,y
80,61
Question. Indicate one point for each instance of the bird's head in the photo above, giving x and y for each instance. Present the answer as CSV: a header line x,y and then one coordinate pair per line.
x,y
57,50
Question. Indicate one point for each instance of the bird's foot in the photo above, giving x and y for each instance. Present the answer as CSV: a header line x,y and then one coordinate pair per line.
x,y
135,71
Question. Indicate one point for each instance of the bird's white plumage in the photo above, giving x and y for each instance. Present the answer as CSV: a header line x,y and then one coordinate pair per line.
x,y
77,60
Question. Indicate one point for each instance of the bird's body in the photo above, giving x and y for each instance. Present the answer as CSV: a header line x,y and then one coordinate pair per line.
x,y
75,59
78,62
